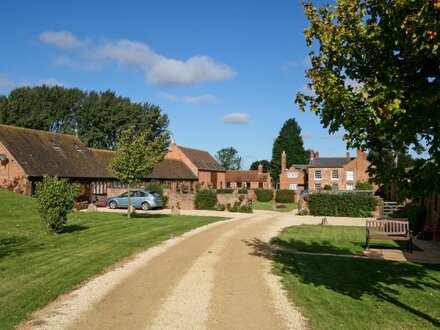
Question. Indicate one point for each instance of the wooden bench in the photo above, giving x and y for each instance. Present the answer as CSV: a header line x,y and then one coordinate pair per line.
x,y
396,230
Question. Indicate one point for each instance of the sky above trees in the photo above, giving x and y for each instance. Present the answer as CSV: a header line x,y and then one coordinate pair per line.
x,y
225,72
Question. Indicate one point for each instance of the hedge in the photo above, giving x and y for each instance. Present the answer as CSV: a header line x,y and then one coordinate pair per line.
x,y
284,196
346,205
242,191
225,191
264,195
205,200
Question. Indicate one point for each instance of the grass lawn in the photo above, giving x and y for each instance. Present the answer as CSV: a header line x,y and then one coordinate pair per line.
x,y
36,267
349,293
269,206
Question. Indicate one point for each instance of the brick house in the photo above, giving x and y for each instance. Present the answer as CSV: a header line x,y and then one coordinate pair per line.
x,y
432,204
201,163
248,179
341,173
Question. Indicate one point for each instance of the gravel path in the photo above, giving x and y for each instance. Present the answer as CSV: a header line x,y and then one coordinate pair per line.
x,y
214,277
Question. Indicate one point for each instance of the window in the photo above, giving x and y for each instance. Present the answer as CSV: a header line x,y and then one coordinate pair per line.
x,y
292,175
77,147
335,174
99,187
54,143
317,186
293,186
350,175
317,174
335,186
350,186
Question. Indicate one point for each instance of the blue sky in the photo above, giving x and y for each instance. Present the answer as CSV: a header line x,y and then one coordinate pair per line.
x,y
226,72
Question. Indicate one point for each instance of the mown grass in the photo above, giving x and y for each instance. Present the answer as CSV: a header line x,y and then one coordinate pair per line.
x,y
271,206
351,293
36,267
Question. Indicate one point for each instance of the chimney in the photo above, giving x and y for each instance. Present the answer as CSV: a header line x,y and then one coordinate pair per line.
x,y
316,154
283,162
312,154
360,154
260,169
172,145
347,155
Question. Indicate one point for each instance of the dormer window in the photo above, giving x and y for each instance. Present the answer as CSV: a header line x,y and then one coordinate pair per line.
x,y
77,147
54,143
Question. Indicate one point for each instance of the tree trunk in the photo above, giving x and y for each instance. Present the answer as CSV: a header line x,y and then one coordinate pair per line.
x,y
129,202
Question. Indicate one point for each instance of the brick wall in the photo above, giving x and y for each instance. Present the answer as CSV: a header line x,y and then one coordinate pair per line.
x,y
12,176
285,181
432,204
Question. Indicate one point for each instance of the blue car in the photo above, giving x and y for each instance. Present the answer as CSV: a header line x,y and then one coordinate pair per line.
x,y
140,199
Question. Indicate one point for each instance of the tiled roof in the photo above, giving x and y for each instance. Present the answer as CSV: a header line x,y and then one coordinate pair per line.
x,y
329,162
171,169
202,159
246,176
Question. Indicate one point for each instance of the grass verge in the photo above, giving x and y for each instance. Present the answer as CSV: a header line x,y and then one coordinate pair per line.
x,y
271,206
351,293
36,267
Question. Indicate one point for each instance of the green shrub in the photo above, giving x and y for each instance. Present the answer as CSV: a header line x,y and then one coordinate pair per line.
x,y
346,205
233,208
284,196
184,189
264,195
55,198
245,209
157,188
225,191
363,185
220,207
416,216
242,191
327,187
205,200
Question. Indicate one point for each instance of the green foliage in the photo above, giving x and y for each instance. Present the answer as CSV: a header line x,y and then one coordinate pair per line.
x,y
346,205
416,215
289,140
327,187
95,116
237,207
374,73
242,191
264,162
155,187
225,191
184,188
245,209
55,200
363,185
220,207
264,195
228,158
205,200
284,196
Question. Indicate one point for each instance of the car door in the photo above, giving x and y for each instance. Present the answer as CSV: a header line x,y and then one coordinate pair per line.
x,y
136,199
123,200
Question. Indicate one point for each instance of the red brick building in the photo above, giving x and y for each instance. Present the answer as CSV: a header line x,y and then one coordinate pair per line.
x,y
432,204
248,179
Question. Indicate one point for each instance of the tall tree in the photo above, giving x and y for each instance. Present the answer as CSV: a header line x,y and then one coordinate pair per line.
x,y
375,73
264,162
289,140
229,159
136,156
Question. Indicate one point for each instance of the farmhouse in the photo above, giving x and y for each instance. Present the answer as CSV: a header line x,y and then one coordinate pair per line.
x,y
248,179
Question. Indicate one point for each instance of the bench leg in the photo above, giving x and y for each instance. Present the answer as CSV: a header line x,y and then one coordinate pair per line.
x,y
367,243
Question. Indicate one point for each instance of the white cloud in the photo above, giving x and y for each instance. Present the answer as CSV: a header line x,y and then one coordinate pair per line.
x,y
50,82
308,135
158,69
194,100
238,118
61,39
5,83
167,96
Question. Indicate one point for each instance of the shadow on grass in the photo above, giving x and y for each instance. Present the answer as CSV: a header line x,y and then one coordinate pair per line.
x,y
318,247
17,245
354,277
73,228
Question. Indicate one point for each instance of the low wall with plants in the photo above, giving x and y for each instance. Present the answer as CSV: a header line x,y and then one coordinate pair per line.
x,y
346,205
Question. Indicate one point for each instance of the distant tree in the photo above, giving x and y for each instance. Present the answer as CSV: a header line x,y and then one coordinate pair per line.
x,y
264,162
289,140
229,159
136,156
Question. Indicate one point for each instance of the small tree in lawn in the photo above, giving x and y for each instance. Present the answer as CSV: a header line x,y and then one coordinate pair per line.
x,y
136,156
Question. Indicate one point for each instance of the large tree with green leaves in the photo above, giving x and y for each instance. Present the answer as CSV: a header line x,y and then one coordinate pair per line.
x,y
229,159
375,73
136,156
265,163
289,140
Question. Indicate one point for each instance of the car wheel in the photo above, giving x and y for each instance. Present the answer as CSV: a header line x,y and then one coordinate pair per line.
x,y
113,205
145,206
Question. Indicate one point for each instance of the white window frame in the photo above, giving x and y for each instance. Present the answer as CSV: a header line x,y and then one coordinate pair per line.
x,y
293,186
350,186
292,175
337,175
350,175
318,184
320,174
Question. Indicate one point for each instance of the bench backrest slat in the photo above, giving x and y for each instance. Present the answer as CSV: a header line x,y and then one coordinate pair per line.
x,y
388,226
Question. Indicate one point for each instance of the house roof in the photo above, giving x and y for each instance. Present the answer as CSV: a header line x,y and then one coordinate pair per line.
x,y
171,169
299,166
42,153
329,162
202,159
246,176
